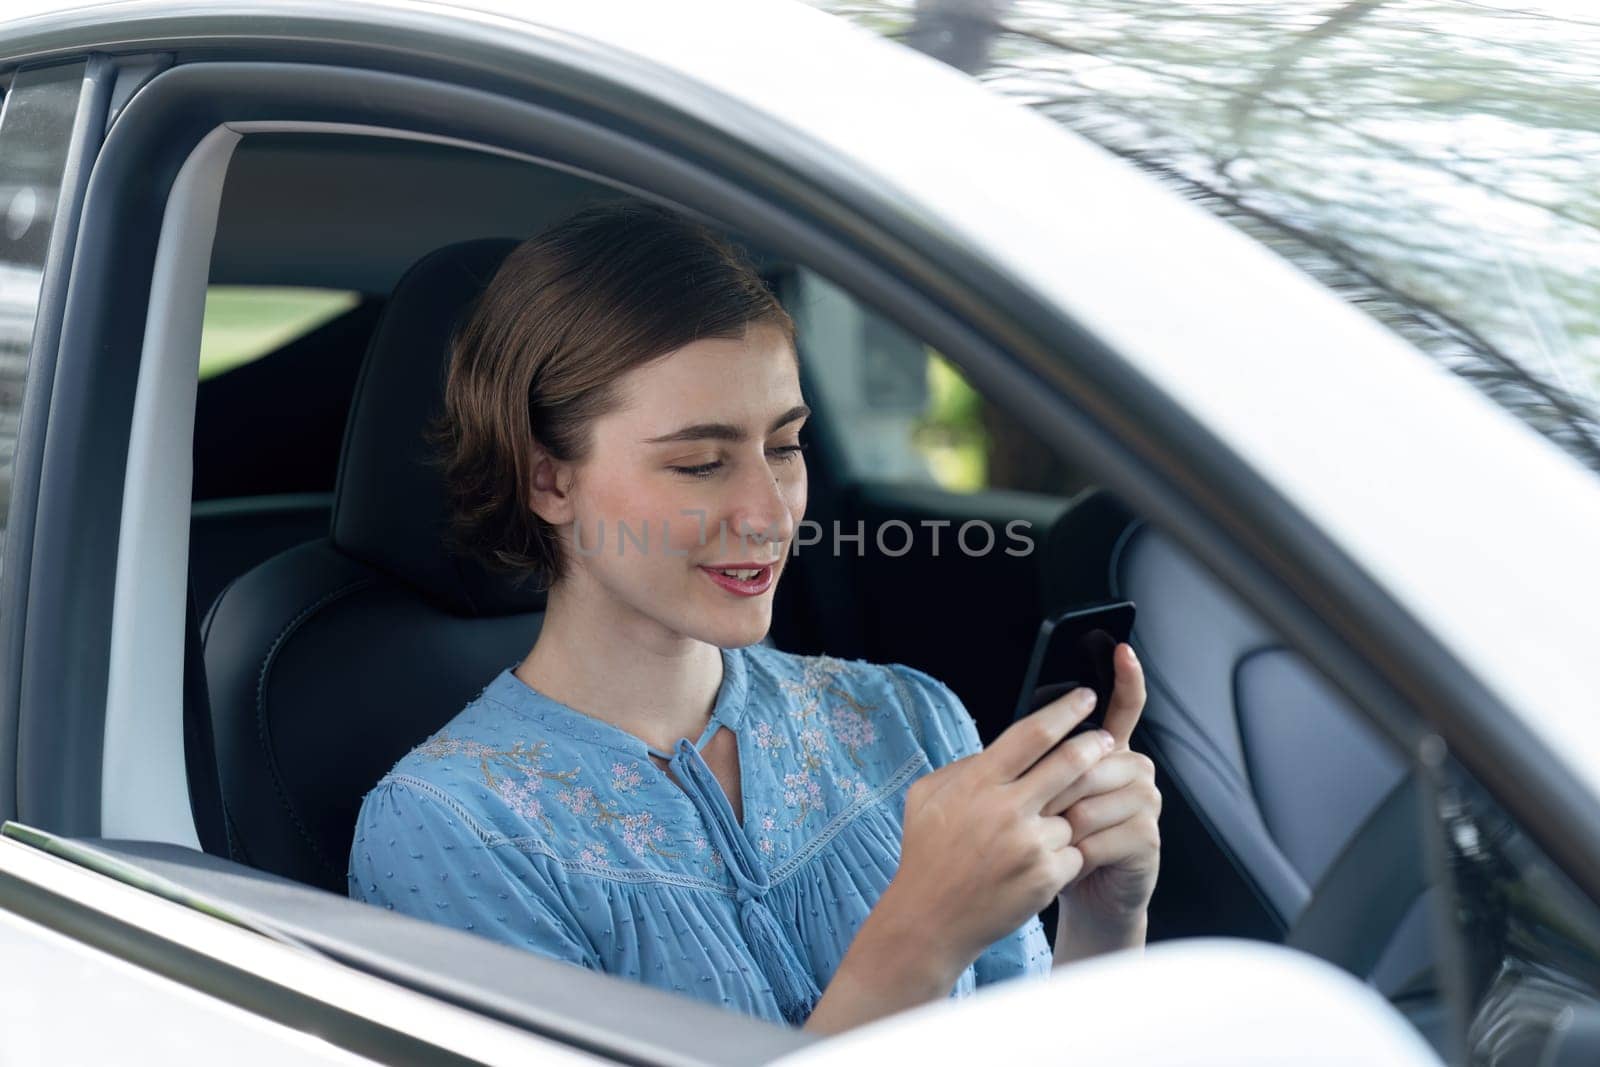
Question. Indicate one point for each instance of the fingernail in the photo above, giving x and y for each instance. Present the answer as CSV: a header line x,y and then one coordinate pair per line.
x,y
1132,654
1086,698
1106,740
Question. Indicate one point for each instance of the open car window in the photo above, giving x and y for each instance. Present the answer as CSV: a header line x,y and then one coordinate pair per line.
x,y
898,411
243,323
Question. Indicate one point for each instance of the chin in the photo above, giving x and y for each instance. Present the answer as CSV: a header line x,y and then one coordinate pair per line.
x,y
738,637
717,619
730,631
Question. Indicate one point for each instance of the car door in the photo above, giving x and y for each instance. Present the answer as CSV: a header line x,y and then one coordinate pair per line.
x,y
112,743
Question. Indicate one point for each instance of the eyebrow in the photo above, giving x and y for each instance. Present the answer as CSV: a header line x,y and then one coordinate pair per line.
x,y
725,431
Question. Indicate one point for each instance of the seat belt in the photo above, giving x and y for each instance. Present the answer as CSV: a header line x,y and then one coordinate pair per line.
x,y
1369,886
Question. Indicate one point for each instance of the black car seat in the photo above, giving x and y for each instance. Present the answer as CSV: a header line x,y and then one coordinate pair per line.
x,y
328,662
1278,768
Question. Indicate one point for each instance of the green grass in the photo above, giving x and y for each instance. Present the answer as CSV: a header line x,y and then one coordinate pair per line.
x,y
243,323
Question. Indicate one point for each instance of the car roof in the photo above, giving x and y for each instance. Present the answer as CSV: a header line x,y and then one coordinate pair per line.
x,y
1471,520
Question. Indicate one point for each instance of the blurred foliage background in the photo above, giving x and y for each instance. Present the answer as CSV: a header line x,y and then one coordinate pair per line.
x,y
950,434
1435,161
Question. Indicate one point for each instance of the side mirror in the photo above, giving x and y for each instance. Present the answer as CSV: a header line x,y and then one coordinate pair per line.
x,y
1218,1001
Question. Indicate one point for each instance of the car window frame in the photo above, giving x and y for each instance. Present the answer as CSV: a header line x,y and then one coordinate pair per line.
x,y
96,78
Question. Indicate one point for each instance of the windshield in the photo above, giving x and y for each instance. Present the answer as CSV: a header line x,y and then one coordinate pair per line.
x,y
1437,163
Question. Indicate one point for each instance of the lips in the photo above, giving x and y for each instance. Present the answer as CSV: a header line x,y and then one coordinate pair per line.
x,y
742,579
744,574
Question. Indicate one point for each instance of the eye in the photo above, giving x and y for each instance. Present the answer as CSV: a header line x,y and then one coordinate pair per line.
x,y
701,470
786,453
778,453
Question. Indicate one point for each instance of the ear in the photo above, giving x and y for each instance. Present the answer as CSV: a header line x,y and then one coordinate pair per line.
x,y
549,488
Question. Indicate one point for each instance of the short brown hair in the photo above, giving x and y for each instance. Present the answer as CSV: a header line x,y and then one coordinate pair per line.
x,y
538,355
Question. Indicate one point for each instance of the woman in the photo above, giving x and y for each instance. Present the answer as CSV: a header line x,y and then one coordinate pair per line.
x,y
652,793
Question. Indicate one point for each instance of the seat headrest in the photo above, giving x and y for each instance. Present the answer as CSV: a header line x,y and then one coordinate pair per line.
x,y
390,509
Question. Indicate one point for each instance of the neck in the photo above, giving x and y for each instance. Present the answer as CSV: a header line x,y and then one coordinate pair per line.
x,y
622,668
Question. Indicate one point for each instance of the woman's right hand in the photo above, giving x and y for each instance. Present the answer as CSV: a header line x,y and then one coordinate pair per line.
x,y
979,854
978,857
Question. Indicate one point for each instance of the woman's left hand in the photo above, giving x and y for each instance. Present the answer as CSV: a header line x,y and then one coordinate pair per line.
x,y
1113,810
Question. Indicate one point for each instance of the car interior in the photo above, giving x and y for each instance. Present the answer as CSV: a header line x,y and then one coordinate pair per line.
x,y
330,632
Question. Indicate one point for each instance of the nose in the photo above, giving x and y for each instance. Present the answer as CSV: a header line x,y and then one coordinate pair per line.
x,y
758,510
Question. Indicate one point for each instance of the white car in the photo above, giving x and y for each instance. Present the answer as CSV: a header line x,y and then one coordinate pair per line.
x,y
1366,590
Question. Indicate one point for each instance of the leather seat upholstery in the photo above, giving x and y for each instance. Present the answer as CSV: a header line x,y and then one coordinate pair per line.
x,y
329,661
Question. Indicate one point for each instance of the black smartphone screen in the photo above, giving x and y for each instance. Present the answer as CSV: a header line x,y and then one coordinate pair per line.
x,y
1074,649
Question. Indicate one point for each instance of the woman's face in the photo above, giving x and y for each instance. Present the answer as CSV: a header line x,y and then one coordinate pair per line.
x,y
702,449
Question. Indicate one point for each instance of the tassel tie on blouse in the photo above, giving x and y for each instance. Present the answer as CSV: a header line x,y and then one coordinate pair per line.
x,y
796,990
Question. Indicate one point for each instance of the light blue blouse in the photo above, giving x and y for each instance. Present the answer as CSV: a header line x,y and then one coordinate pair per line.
x,y
534,824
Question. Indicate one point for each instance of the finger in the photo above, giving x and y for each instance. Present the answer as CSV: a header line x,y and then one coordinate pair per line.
x,y
1055,832
1070,862
1112,772
1091,815
1125,843
1062,766
1064,861
1127,695
1021,745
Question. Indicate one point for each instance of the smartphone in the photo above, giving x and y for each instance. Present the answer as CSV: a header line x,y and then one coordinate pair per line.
x,y
1074,649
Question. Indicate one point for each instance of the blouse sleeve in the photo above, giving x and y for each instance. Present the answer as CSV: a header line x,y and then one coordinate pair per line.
x,y
938,718
948,733
1025,951
414,853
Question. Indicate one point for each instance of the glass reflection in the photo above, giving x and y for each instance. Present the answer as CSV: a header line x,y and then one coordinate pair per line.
x,y
1435,161
35,132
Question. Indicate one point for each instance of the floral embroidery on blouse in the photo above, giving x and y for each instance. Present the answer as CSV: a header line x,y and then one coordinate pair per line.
x,y
526,761
709,859
765,828
624,779
829,718
825,709
803,792
767,738
524,794
848,718
640,832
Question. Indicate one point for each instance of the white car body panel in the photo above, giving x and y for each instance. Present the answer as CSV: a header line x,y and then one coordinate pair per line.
x,y
82,1006
1201,1003
129,1003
